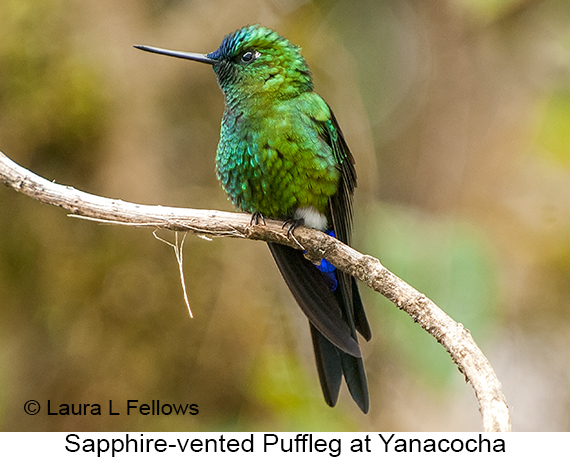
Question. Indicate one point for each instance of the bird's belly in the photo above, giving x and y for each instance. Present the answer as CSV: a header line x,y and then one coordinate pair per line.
x,y
267,181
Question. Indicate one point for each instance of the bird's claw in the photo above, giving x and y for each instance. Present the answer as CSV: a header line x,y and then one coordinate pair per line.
x,y
255,218
292,224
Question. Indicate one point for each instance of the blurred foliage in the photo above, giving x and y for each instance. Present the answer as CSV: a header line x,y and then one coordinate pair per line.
x,y
554,134
450,263
458,114
55,103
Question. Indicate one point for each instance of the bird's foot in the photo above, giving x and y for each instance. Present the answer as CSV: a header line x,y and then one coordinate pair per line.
x,y
256,218
292,224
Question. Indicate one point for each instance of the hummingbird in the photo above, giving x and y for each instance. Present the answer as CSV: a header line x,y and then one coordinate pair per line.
x,y
282,155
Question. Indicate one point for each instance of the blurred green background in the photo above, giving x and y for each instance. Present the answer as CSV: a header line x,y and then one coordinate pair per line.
x,y
458,115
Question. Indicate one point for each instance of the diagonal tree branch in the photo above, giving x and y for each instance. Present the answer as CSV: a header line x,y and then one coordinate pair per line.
x,y
455,338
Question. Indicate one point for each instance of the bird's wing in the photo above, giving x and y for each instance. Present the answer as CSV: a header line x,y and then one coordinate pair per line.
x,y
333,362
340,203
340,206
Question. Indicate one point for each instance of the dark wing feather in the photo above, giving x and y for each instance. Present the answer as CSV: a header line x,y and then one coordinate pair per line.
x,y
340,203
340,206
360,320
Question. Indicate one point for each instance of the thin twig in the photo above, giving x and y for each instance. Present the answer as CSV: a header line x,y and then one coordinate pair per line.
x,y
178,252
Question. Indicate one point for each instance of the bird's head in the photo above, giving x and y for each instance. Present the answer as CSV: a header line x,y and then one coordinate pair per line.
x,y
254,62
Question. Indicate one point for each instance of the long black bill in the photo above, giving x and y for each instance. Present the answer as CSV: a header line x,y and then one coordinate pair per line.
x,y
181,55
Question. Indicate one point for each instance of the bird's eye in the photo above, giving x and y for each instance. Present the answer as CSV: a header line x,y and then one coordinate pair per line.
x,y
249,56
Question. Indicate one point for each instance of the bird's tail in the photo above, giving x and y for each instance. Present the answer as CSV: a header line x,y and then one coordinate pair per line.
x,y
334,317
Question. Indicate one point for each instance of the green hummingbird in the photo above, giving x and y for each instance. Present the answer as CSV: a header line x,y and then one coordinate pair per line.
x,y
282,155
